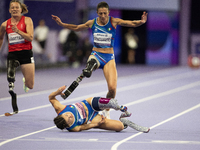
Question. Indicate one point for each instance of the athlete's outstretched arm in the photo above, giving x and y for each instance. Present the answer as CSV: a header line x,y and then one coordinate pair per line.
x,y
134,23
55,103
73,27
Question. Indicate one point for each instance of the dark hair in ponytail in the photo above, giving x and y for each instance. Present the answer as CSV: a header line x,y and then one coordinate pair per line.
x,y
60,122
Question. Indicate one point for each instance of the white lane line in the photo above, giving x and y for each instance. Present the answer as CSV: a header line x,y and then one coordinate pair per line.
x,y
29,94
172,91
125,88
176,142
19,137
96,83
115,146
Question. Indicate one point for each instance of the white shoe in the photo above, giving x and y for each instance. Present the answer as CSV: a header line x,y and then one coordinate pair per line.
x,y
106,114
26,89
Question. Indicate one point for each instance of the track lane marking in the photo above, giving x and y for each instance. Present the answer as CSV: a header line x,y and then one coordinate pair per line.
x,y
25,135
114,147
125,88
179,76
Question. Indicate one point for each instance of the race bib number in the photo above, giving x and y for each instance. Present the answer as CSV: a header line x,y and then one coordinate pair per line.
x,y
102,39
81,110
15,38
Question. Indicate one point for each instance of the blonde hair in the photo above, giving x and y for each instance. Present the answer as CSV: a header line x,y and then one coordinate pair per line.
x,y
23,6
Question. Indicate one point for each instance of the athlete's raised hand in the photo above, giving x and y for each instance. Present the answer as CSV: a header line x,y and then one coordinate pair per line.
x,y
59,91
57,19
144,17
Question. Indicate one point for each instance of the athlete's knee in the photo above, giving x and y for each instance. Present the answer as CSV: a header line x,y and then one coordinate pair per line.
x,y
92,65
11,70
30,85
120,127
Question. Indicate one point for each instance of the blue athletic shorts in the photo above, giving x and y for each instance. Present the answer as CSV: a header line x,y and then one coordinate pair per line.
x,y
103,58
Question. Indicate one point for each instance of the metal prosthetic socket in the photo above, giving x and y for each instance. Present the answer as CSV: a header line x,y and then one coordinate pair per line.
x,y
87,72
91,66
12,65
99,104
72,87
106,103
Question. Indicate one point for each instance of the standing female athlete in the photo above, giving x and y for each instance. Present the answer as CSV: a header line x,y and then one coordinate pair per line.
x,y
103,29
19,30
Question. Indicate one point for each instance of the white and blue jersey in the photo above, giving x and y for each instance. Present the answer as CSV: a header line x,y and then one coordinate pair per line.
x,y
104,36
79,113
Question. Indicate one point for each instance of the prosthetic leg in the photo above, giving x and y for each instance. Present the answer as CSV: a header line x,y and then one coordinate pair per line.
x,y
127,122
139,128
11,70
72,87
92,65
107,103
99,104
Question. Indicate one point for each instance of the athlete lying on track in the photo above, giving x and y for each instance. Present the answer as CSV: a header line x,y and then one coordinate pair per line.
x,y
85,115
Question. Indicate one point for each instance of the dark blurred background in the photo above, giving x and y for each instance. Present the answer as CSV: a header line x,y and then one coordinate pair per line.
x,y
169,36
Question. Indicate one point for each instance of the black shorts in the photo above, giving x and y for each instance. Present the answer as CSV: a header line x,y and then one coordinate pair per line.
x,y
24,56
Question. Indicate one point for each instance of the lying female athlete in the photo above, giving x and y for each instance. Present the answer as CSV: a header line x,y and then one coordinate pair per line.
x,y
84,115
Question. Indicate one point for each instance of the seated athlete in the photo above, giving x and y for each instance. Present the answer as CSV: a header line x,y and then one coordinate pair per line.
x,y
84,115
